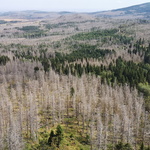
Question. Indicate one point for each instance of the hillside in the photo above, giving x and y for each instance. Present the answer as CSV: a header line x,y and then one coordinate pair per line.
x,y
73,81
142,8
136,11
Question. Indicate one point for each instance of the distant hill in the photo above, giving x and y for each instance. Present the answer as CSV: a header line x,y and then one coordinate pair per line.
x,y
65,12
33,14
136,11
29,14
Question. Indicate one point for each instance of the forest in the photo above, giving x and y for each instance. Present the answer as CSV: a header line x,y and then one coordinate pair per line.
x,y
75,85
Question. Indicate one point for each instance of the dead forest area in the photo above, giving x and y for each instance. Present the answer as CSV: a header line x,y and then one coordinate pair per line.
x,y
75,85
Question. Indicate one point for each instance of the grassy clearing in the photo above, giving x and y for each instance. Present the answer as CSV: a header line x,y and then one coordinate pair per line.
x,y
73,139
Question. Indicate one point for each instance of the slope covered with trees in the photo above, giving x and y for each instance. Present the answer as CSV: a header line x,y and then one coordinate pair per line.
x,y
89,90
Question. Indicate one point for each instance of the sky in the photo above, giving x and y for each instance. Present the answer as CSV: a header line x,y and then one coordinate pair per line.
x,y
66,5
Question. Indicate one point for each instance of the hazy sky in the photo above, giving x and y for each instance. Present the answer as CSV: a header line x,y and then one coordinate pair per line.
x,y
66,5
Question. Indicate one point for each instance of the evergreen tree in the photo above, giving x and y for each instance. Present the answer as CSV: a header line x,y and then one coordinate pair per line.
x,y
142,147
59,135
50,140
